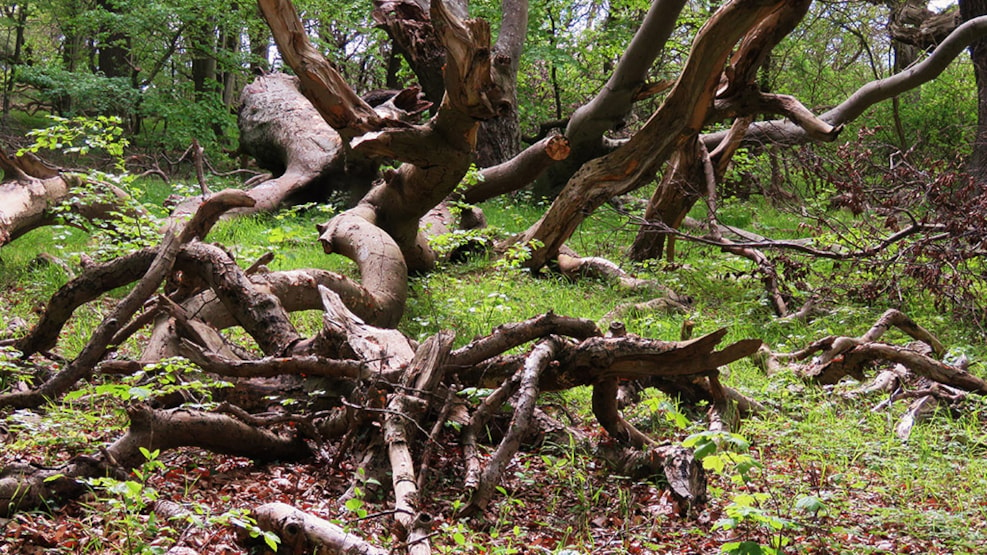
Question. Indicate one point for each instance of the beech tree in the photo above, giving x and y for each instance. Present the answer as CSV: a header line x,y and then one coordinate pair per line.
x,y
315,133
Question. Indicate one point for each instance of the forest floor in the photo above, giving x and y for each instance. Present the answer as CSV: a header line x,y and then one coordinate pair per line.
x,y
821,472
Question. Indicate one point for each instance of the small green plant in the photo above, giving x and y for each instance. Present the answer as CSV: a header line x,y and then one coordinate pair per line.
x,y
516,255
170,375
725,453
747,511
728,454
126,501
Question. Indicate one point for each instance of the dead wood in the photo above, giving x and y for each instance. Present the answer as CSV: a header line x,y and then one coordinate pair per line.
x,y
424,373
260,314
303,365
519,171
31,487
32,189
674,464
94,281
840,356
507,336
573,266
597,358
851,356
524,405
102,278
477,422
295,289
99,342
608,415
303,533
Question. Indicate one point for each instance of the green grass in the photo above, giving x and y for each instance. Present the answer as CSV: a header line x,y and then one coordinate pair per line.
x,y
930,492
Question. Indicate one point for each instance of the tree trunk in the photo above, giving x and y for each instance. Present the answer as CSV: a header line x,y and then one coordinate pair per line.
x,y
499,139
203,46
589,124
31,190
281,129
673,198
19,19
409,24
970,9
114,51
677,121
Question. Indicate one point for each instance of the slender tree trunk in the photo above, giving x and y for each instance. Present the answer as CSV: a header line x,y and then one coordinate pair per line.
x,y
260,50
499,139
114,51
594,119
19,18
230,39
970,9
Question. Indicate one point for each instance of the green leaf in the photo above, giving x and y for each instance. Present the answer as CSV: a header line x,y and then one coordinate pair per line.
x,y
704,450
714,463
272,540
744,548
810,504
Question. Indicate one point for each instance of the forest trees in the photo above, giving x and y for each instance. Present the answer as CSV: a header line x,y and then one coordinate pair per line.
x,y
402,157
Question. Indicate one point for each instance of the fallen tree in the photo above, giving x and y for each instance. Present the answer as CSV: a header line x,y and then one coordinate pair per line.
x,y
914,371
191,290
372,359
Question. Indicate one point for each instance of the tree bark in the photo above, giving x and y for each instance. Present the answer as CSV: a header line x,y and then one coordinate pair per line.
x,y
678,120
284,132
970,10
304,533
590,122
499,139
32,189
739,97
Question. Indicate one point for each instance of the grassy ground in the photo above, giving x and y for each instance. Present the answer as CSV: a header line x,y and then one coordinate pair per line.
x,y
818,473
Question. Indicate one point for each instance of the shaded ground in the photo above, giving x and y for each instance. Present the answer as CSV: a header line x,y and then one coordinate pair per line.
x,y
554,501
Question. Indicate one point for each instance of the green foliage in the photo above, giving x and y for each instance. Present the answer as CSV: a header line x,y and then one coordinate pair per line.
x,y
73,93
724,453
125,501
174,120
80,135
166,377
130,225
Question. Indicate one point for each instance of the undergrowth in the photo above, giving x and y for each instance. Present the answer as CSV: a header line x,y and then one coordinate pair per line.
x,y
817,473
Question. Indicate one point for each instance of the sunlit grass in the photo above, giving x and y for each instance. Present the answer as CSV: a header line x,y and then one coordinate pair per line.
x,y
812,440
